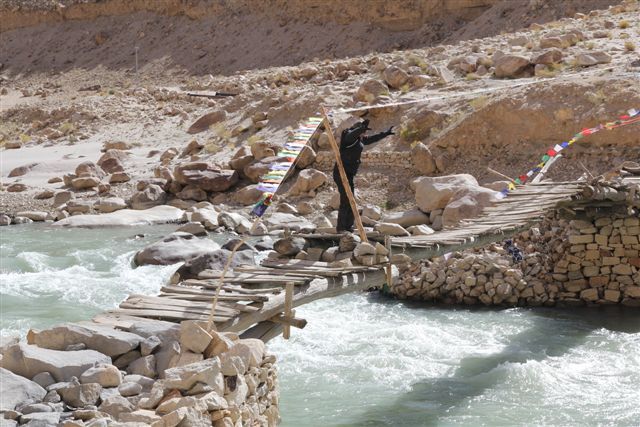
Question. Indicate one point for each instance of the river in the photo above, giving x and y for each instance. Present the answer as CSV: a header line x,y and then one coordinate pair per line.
x,y
365,360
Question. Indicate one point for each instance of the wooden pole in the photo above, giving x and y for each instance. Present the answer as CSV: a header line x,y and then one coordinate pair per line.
x,y
288,305
343,177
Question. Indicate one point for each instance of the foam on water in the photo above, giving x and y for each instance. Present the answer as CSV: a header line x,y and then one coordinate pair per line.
x,y
363,360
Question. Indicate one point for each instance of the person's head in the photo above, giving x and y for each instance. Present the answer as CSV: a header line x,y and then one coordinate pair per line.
x,y
359,128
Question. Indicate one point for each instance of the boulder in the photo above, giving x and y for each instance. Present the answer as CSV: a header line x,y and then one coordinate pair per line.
x,y
22,170
28,360
34,215
125,217
193,337
109,204
103,339
89,168
17,187
192,192
467,203
204,122
205,176
511,66
194,228
262,149
371,91
290,246
80,395
192,148
111,161
62,197
207,371
395,77
206,217
306,158
372,212
215,260
85,182
43,195
254,170
408,218
116,406
105,375
234,221
435,192
151,196
548,57
248,195
176,247
420,230
308,181
390,229
79,206
5,219
348,242
15,390
592,58
281,220
145,366
422,159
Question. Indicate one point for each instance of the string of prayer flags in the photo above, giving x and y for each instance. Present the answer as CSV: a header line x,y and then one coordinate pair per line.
x,y
632,116
279,171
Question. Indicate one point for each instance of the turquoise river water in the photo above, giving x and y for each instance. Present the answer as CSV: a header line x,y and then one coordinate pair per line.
x,y
365,360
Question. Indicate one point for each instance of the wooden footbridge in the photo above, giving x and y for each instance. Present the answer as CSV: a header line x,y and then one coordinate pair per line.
x,y
259,301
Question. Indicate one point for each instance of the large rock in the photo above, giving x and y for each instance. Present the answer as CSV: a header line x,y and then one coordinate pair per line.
x,y
110,204
250,351
111,161
371,91
422,159
548,57
511,66
206,217
125,217
280,220
435,192
29,360
467,203
15,389
215,260
116,406
308,181
204,122
390,229
89,168
176,247
22,170
254,170
80,395
151,196
103,339
234,221
85,182
395,77
205,176
34,215
592,58
290,246
262,149
306,158
408,218
105,375
62,197
207,371
247,195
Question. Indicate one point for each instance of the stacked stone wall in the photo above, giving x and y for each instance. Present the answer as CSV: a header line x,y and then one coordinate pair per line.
x,y
579,262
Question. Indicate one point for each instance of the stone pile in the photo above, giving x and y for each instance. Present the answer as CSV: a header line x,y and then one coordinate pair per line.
x,y
158,374
396,159
578,262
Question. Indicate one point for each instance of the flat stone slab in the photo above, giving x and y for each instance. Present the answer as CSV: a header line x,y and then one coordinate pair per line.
x,y
28,360
103,339
124,217
15,389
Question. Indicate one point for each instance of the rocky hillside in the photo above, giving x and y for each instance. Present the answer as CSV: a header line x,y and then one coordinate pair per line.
x,y
210,37
498,101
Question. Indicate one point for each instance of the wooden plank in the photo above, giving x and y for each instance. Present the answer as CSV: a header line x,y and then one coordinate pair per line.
x,y
190,290
223,297
168,307
163,314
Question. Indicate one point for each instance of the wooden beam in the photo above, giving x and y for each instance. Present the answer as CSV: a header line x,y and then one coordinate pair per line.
x,y
288,298
343,177
286,322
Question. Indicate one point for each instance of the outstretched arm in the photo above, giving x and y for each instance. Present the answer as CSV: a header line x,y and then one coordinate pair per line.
x,y
366,140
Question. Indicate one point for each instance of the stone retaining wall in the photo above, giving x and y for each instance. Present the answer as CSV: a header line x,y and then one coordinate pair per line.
x,y
394,159
156,374
578,262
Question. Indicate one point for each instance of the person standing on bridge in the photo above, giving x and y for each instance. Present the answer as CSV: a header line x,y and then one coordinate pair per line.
x,y
352,142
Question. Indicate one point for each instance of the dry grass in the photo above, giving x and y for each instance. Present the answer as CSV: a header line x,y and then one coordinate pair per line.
x,y
479,103
629,46
623,24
